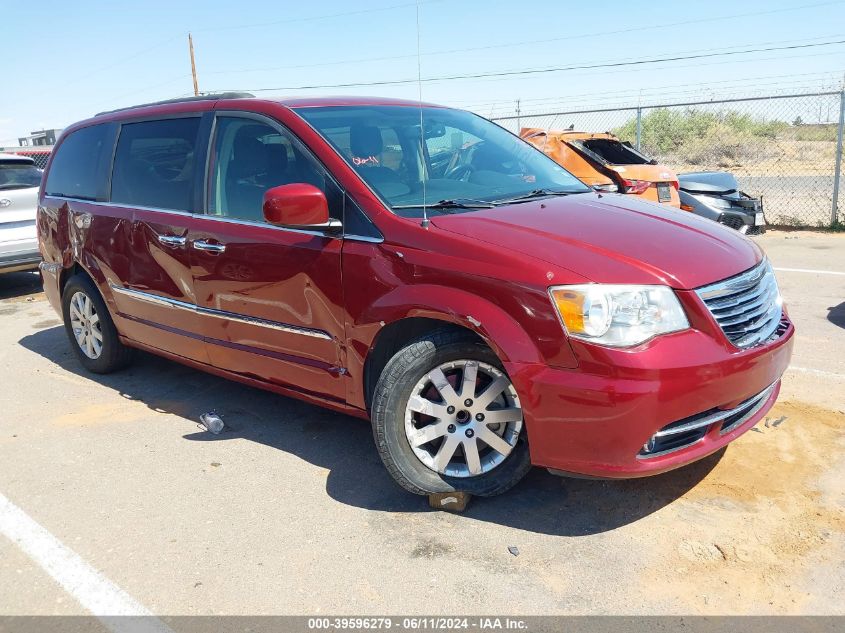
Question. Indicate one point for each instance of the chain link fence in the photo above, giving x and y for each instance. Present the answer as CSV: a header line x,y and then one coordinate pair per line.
x,y
787,149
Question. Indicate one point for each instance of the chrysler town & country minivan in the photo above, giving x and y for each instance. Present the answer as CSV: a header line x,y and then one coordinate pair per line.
x,y
417,266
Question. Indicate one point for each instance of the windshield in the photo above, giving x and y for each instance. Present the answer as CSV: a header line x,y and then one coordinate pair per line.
x,y
462,157
14,175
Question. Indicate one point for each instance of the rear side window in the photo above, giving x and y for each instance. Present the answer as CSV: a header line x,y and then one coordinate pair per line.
x,y
80,165
155,164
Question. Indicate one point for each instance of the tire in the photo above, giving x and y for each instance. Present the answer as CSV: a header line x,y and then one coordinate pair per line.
x,y
90,329
419,469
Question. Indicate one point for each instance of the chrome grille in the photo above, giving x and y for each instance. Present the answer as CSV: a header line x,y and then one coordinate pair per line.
x,y
747,307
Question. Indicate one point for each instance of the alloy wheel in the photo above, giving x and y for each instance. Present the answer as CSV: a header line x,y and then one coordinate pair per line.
x,y
85,323
463,418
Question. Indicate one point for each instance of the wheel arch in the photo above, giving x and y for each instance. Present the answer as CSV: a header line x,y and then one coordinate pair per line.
x,y
412,312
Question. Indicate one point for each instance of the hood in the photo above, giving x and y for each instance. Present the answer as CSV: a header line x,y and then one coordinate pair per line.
x,y
612,238
713,182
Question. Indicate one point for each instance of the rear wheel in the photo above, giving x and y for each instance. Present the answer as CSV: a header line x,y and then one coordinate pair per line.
x,y
447,418
90,329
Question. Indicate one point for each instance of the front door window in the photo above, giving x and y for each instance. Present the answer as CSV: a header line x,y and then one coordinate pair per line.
x,y
250,157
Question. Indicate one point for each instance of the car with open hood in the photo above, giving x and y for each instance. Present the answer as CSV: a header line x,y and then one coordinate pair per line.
x,y
716,195
417,266
607,164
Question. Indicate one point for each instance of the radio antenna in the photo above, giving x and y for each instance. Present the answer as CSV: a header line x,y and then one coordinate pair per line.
x,y
424,173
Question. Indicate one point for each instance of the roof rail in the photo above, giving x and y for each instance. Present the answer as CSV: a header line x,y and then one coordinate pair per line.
x,y
205,97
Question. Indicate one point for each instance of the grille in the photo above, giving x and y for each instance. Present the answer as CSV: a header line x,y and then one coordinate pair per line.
x,y
686,432
747,307
733,221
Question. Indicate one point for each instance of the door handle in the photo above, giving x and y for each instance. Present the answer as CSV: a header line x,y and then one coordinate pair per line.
x,y
172,240
210,247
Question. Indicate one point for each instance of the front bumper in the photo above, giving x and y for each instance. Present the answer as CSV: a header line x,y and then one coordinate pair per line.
x,y
595,420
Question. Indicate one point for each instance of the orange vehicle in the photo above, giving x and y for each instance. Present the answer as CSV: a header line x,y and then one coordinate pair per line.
x,y
605,163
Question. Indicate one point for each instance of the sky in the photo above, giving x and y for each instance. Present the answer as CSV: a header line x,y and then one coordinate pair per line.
x,y
65,61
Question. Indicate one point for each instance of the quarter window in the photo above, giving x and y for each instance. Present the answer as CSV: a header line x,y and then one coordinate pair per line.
x,y
79,167
155,164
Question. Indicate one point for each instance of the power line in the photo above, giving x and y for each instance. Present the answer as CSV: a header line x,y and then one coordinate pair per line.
x,y
179,35
537,71
696,65
672,105
121,61
660,89
532,42
659,25
316,17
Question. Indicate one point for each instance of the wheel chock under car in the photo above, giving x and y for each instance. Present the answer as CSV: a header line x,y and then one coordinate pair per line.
x,y
449,501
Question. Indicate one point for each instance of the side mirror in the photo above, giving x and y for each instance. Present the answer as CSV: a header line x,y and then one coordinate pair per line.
x,y
298,205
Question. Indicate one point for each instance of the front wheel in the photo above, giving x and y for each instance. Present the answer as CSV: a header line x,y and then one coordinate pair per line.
x,y
447,418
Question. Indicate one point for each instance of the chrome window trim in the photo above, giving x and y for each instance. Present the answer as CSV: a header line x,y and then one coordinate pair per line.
x,y
205,216
364,238
220,314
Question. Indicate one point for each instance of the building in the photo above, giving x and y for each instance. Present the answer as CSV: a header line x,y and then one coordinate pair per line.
x,y
38,138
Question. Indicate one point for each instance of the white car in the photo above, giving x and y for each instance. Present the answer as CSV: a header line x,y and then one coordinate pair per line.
x,y
19,181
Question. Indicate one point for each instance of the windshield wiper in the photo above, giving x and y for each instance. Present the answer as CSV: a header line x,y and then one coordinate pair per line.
x,y
537,193
455,203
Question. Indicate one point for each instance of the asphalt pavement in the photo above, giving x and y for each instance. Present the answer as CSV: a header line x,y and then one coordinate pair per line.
x,y
113,497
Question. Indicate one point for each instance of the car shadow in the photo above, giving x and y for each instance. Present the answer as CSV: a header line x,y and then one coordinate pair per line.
x,y
836,315
541,502
14,285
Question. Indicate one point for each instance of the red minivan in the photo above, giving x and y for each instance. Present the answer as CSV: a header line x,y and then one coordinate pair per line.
x,y
418,266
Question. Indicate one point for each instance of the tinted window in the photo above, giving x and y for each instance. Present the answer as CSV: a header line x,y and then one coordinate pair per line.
x,y
19,175
154,164
250,157
79,166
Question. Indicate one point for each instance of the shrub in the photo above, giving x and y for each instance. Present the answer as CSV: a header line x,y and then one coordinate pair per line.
x,y
702,136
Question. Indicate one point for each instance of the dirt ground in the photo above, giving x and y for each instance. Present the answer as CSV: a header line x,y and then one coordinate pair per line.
x,y
289,510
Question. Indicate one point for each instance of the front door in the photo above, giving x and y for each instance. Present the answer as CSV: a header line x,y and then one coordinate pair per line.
x,y
154,175
270,298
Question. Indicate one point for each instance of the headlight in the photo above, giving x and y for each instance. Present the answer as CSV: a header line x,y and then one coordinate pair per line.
x,y
618,316
713,201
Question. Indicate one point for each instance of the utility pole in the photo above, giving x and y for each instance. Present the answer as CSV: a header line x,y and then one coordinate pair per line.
x,y
193,65
518,120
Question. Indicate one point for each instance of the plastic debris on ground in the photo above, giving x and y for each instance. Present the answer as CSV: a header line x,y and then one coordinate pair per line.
x,y
212,422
